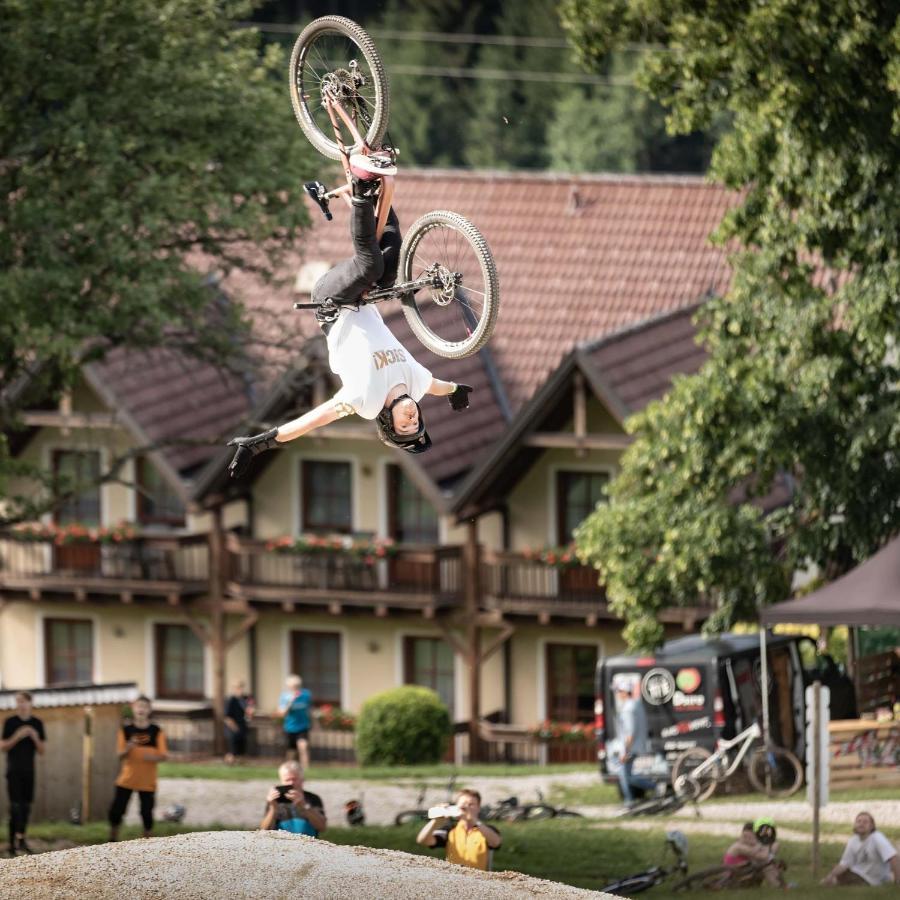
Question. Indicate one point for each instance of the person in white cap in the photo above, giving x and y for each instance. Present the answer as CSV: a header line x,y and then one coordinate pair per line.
x,y
631,732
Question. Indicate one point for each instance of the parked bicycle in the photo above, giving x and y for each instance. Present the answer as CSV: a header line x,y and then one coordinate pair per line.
x,y
721,878
772,770
677,846
668,803
447,280
510,810
420,812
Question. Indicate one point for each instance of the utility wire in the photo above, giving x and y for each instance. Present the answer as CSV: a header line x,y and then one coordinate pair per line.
x,y
511,75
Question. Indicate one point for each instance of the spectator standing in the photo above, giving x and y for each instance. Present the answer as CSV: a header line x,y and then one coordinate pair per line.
x,y
468,840
290,808
295,704
631,732
141,746
238,713
23,738
868,859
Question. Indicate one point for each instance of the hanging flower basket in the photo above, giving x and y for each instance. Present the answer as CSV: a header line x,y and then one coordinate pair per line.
x,y
566,732
369,550
333,718
73,533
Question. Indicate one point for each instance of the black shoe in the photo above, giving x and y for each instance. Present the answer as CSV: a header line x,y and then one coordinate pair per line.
x,y
11,852
317,191
24,848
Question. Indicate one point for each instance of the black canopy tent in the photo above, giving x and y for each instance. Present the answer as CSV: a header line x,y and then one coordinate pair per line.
x,y
867,595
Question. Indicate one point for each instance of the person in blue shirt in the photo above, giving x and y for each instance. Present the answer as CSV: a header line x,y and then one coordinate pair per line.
x,y
631,731
295,704
290,808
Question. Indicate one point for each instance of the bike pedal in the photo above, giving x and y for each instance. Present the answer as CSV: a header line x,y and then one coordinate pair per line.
x,y
316,191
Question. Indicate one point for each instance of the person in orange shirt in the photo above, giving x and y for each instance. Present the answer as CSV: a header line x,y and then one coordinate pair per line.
x,y
140,745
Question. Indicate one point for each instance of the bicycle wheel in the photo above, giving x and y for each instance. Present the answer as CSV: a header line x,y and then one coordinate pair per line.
x,y
333,53
568,814
456,316
715,879
634,884
410,815
698,786
532,812
775,771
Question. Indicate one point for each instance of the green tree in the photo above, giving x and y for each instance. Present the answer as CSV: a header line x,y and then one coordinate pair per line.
x,y
132,137
800,385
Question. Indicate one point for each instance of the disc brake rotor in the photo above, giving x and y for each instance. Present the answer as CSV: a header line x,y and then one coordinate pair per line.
x,y
444,285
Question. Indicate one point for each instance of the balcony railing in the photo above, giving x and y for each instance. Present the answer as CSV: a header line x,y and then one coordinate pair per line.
x,y
407,575
513,582
141,561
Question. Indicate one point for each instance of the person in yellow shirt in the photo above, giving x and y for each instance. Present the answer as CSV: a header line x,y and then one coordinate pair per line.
x,y
469,841
140,745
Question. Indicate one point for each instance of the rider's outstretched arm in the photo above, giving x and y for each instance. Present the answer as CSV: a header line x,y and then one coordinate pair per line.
x,y
440,388
457,394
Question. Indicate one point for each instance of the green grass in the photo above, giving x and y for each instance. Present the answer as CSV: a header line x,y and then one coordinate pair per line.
x,y
438,773
569,851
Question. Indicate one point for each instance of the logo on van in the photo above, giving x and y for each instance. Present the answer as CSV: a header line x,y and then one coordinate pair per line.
x,y
688,680
658,687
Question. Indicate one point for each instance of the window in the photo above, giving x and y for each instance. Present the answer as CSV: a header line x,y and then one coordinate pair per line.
x,y
327,496
157,502
577,493
316,658
68,651
570,682
429,662
179,663
79,468
411,518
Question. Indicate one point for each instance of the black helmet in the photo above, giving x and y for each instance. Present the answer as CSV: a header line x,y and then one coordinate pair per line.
x,y
411,443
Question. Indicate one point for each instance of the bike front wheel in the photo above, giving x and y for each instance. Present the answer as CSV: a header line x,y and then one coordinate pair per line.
x,y
636,884
455,315
334,55
532,812
775,771
687,781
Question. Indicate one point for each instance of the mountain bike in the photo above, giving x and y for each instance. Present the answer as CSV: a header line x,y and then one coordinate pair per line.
x,y
420,812
511,810
447,279
677,845
772,770
721,878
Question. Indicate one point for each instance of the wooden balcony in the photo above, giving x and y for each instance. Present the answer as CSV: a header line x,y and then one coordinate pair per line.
x,y
415,578
515,584
146,566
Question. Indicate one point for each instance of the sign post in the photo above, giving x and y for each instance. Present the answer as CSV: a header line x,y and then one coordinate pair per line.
x,y
817,774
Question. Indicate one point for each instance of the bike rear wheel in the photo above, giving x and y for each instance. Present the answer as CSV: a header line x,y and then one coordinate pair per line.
x,y
715,879
411,815
775,771
532,812
456,317
333,53
699,786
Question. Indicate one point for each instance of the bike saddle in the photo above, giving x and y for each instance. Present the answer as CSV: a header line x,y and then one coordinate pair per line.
x,y
316,191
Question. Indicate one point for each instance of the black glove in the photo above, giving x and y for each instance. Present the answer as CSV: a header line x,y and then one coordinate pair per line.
x,y
459,399
247,448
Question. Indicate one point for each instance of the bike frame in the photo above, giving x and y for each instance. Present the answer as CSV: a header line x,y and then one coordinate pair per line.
x,y
746,738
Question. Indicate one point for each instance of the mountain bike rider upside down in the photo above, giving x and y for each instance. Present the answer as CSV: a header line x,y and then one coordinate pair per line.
x,y
380,378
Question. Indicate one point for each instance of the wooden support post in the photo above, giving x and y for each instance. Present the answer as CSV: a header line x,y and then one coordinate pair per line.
x,y
471,574
217,563
244,626
87,763
580,414
428,612
173,599
34,594
126,597
288,606
591,620
543,618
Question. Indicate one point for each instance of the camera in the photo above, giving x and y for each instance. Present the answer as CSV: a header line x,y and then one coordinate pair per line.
x,y
282,792
443,812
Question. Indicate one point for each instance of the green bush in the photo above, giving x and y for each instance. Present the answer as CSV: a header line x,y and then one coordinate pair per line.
x,y
402,727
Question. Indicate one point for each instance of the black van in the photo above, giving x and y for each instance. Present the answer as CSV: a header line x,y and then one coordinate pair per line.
x,y
696,690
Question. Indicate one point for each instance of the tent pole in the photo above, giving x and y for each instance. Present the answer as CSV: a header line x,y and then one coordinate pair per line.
x,y
764,683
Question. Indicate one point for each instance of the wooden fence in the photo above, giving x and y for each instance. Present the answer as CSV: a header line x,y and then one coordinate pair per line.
x,y
864,753
878,680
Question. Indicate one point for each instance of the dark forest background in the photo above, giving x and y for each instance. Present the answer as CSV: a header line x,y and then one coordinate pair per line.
x,y
493,84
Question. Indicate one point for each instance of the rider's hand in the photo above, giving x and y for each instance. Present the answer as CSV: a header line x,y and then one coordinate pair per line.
x,y
459,399
247,448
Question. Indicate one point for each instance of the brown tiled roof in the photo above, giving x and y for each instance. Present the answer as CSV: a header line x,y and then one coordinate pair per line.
x,y
579,258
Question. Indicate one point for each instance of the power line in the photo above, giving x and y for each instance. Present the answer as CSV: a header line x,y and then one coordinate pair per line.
x,y
514,75
446,37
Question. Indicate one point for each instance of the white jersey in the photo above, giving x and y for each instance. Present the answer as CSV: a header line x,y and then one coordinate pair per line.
x,y
869,858
370,361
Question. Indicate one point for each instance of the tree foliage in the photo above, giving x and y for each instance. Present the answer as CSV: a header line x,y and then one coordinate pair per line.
x,y
133,138
799,390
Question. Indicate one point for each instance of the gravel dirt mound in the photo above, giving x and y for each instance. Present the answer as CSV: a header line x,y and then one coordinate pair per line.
x,y
251,865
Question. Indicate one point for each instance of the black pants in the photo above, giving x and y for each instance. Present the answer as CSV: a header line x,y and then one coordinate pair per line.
x,y
120,804
20,787
373,262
